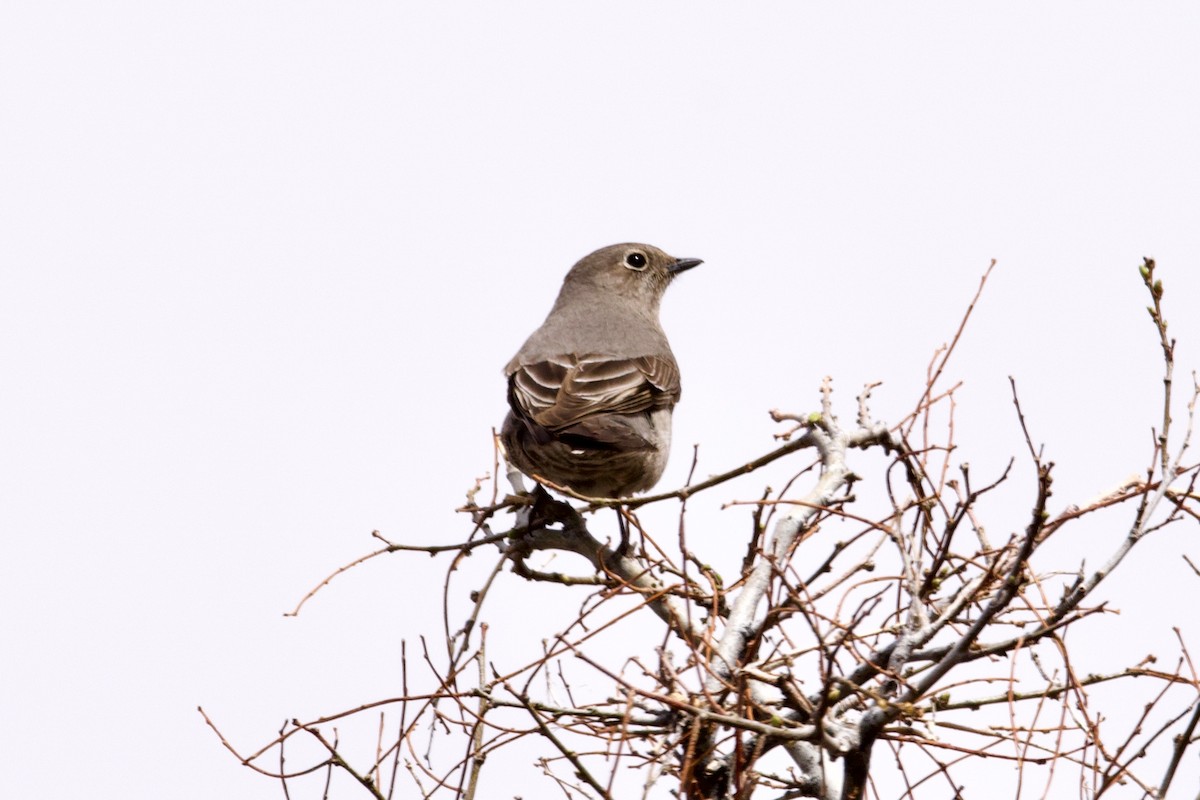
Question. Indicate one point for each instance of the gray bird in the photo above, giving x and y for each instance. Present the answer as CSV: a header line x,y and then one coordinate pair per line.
x,y
591,391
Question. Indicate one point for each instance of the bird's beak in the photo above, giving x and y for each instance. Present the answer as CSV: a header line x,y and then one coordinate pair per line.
x,y
683,264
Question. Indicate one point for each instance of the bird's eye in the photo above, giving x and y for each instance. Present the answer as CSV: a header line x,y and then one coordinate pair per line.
x,y
635,260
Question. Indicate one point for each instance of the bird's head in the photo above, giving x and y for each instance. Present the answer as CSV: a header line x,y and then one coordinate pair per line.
x,y
638,272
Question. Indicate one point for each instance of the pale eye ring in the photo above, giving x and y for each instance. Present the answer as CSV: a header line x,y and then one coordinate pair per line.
x,y
636,261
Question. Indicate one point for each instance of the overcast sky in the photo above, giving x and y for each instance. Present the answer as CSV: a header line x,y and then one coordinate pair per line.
x,y
261,265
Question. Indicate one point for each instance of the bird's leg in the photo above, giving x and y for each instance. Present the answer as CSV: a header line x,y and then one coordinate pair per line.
x,y
545,510
623,527
625,520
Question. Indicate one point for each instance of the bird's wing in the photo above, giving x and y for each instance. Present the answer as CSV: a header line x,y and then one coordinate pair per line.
x,y
570,392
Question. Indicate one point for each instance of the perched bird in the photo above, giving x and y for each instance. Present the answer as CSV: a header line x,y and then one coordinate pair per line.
x,y
591,391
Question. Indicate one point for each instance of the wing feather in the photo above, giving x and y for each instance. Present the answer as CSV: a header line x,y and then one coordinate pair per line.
x,y
576,396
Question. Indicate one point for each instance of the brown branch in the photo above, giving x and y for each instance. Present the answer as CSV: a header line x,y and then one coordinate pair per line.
x,y
949,351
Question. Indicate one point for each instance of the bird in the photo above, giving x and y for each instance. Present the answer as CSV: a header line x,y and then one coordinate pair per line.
x,y
591,391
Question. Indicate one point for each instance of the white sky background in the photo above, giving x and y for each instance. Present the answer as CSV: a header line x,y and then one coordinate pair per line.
x,y
262,264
